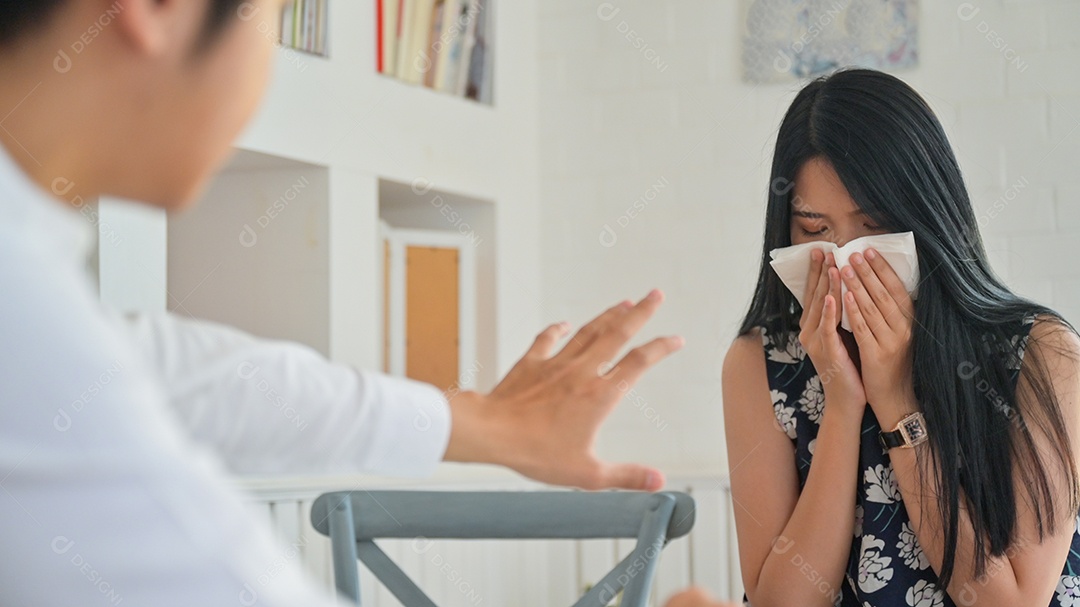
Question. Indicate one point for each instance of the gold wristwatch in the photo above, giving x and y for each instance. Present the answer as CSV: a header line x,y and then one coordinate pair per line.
x,y
909,432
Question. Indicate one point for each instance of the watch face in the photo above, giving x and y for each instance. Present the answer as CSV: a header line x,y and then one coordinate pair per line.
x,y
913,430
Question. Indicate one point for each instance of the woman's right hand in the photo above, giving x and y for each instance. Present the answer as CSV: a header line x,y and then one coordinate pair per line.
x,y
820,337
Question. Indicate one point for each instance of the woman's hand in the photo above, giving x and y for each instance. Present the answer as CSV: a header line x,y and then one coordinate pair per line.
x,y
882,313
840,379
543,418
695,597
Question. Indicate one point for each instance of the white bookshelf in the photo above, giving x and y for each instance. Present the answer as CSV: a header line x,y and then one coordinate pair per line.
x,y
361,141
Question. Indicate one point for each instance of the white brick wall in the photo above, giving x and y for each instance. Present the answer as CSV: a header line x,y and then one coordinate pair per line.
x,y
617,118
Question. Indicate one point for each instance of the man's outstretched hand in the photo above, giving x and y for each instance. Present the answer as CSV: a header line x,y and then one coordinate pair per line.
x,y
543,418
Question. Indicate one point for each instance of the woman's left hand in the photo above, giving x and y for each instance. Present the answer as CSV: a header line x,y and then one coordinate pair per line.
x,y
881,314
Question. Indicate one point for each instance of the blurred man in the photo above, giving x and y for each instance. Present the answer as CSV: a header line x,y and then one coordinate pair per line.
x,y
117,434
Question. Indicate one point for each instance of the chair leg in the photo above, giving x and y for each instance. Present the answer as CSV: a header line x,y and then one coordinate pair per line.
x,y
604,591
633,575
391,576
650,544
343,545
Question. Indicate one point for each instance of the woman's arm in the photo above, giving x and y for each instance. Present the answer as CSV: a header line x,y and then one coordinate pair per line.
x,y
793,548
1028,573
882,315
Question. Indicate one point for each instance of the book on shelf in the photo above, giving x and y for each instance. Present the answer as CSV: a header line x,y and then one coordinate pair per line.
x,y
387,13
449,57
304,26
417,51
440,44
434,42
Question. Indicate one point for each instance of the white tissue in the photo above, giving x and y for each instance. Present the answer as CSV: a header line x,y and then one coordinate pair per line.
x,y
792,264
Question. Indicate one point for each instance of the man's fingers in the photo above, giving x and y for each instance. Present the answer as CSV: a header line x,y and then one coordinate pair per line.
x,y
621,330
629,476
640,359
544,344
589,332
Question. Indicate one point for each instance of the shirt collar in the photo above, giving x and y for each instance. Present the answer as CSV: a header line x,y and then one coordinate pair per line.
x,y
65,227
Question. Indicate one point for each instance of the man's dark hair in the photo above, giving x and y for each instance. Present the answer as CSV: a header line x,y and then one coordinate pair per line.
x,y
21,17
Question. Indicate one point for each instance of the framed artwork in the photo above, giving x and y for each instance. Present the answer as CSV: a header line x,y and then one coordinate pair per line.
x,y
788,40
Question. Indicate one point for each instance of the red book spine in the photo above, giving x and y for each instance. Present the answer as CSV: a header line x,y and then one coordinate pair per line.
x,y
379,35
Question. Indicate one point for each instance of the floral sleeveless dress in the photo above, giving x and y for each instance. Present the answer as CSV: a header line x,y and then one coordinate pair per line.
x,y
887,566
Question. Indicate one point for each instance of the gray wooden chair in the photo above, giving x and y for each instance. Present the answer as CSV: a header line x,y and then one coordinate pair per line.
x,y
354,519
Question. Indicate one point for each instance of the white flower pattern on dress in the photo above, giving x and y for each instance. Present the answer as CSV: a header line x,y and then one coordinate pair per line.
x,y
1015,352
791,352
1068,591
874,569
925,594
812,400
875,577
882,487
785,416
910,550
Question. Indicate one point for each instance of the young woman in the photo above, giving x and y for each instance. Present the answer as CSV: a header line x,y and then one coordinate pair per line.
x,y
983,509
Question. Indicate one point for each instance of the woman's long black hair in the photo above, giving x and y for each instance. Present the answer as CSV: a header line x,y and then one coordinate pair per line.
x,y
894,158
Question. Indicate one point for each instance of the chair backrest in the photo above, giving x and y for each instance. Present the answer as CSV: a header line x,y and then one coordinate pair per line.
x,y
354,519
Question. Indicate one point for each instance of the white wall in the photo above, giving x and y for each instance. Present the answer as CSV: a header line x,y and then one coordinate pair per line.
x,y
254,253
689,147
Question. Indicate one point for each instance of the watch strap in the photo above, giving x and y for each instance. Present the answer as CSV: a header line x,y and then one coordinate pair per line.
x,y
891,440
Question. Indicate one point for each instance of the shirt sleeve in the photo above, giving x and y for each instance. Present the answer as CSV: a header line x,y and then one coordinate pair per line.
x,y
277,407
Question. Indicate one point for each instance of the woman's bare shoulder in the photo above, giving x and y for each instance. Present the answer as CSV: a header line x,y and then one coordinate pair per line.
x,y
745,354
1053,335
744,379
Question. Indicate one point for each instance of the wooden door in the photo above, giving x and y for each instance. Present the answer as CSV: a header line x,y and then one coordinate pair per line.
x,y
432,331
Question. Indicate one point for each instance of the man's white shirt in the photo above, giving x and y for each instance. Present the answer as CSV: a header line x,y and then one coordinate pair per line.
x,y
118,434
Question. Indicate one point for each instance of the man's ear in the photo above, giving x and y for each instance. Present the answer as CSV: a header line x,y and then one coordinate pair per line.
x,y
151,27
